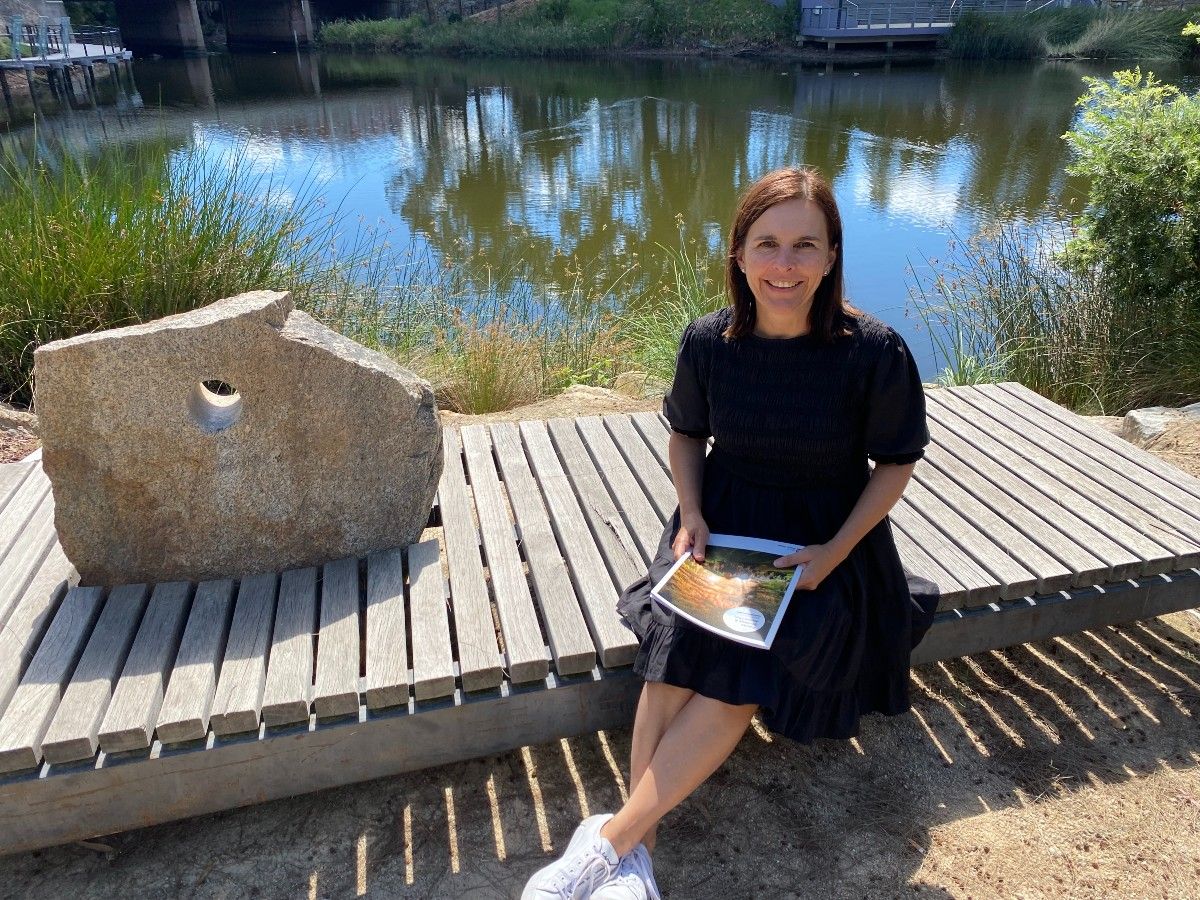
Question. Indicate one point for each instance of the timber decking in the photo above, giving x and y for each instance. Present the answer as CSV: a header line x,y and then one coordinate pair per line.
x,y
144,703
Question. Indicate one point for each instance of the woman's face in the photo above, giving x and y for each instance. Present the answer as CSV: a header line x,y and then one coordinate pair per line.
x,y
785,255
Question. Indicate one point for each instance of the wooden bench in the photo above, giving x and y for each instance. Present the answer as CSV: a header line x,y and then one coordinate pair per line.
x,y
148,703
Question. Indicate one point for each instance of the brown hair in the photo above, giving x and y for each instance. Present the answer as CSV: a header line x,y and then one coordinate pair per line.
x,y
829,309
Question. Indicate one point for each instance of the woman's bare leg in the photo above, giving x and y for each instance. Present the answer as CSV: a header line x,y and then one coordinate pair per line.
x,y
698,740
657,708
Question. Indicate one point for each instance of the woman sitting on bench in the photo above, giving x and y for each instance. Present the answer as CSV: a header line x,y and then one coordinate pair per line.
x,y
798,390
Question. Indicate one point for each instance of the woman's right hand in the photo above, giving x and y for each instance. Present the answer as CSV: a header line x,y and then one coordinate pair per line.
x,y
692,536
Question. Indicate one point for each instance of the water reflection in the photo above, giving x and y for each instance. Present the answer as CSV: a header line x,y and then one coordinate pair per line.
x,y
579,169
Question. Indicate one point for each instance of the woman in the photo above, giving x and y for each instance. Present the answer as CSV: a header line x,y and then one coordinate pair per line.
x,y
798,390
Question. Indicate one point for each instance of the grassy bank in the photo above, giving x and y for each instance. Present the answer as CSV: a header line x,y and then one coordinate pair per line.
x,y
579,28
1073,33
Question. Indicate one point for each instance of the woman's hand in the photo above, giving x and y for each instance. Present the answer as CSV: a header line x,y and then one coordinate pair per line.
x,y
818,561
693,536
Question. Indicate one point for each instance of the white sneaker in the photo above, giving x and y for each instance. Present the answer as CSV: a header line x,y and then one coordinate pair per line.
x,y
588,862
634,879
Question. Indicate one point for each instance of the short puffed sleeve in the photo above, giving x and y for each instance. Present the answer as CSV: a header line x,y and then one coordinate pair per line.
x,y
686,403
895,428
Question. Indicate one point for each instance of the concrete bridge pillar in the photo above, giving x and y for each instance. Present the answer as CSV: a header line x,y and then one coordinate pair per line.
x,y
160,26
268,22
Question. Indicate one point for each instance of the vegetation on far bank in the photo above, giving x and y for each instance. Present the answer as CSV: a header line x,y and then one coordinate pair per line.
x,y
556,28
1100,312
1074,32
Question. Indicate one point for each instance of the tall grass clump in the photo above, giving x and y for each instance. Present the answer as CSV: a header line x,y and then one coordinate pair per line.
x,y
131,235
1100,312
377,35
485,340
1074,32
692,285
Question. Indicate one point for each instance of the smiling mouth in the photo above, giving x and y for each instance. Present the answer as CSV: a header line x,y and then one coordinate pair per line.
x,y
783,284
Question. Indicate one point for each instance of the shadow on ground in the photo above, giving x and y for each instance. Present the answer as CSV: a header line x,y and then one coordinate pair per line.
x,y
991,732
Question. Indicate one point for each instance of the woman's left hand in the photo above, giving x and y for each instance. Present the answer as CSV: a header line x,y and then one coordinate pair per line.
x,y
818,561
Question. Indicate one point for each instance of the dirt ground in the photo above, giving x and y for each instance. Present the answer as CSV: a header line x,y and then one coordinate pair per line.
x,y
1068,768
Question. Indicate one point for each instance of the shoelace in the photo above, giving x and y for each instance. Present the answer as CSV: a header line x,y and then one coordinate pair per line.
x,y
639,862
594,873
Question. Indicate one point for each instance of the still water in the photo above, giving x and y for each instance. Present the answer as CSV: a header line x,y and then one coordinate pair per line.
x,y
583,170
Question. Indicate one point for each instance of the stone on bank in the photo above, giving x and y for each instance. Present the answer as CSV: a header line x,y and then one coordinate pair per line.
x,y
241,437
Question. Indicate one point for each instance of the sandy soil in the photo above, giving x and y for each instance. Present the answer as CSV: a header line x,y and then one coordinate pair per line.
x,y
1069,768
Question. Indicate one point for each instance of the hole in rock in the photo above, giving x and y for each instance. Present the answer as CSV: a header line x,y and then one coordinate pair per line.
x,y
214,405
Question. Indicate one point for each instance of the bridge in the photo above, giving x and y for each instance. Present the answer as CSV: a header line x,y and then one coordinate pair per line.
x,y
173,26
895,21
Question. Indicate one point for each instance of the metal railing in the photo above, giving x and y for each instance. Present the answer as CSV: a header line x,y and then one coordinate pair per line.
x,y
52,37
850,15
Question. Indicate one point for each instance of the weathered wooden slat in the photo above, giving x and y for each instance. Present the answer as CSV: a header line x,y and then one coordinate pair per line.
x,y
981,586
1167,501
20,508
1127,525
1179,532
650,426
474,632
1049,574
73,733
523,644
29,714
951,593
12,476
593,583
30,614
1151,557
26,553
654,479
616,544
643,522
288,692
238,700
570,644
387,642
949,477
980,545
336,692
433,663
137,698
188,703
1166,472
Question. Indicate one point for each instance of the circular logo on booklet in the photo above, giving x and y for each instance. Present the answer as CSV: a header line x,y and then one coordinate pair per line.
x,y
744,619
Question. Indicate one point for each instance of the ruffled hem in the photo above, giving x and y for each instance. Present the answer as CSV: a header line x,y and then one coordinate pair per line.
x,y
714,667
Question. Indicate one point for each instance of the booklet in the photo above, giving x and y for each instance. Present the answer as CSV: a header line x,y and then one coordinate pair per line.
x,y
736,592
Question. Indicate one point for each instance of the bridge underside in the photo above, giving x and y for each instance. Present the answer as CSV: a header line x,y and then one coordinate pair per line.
x,y
173,26
876,34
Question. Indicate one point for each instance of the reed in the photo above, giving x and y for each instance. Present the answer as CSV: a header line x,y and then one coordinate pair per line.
x,y
1075,32
1003,306
691,286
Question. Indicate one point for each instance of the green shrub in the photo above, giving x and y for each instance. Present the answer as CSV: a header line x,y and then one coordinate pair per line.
x,y
1101,312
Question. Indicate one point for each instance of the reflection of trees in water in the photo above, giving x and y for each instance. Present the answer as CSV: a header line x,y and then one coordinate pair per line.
x,y
577,168
559,159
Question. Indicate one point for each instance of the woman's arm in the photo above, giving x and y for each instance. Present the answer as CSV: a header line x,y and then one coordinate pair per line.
x,y
882,492
686,456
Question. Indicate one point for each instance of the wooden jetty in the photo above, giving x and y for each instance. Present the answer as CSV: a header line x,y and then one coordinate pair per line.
x,y
59,52
140,704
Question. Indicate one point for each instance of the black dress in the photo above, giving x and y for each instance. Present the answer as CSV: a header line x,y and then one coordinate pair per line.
x,y
793,423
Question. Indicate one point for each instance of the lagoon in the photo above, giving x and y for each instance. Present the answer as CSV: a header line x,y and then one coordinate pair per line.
x,y
568,177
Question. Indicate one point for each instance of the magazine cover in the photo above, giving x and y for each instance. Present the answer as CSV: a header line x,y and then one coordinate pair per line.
x,y
736,592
